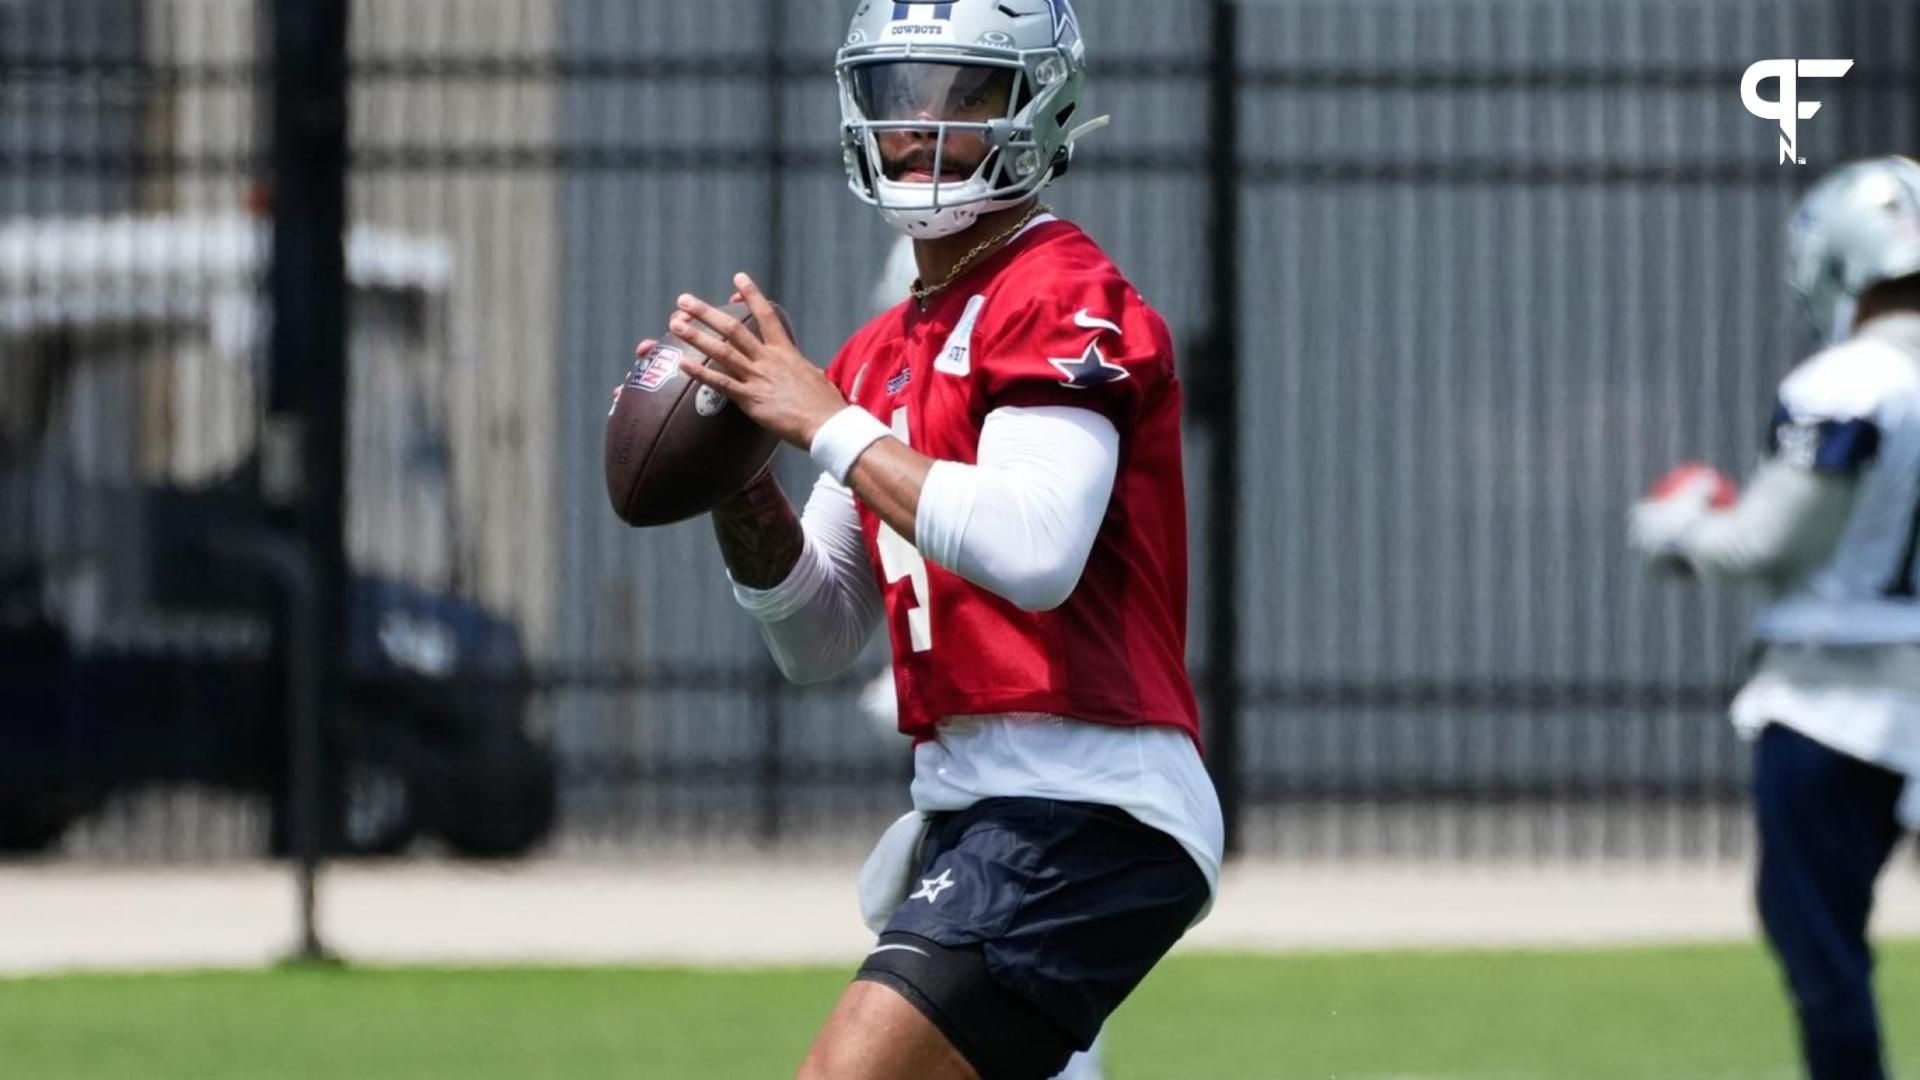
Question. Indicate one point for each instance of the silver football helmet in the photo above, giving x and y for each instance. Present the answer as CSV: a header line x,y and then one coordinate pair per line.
x,y
1857,227
953,108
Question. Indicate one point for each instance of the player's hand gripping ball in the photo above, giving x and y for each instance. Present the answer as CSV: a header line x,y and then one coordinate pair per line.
x,y
764,374
1678,502
675,448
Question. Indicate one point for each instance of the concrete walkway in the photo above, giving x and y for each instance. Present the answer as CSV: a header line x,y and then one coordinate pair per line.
x,y
67,917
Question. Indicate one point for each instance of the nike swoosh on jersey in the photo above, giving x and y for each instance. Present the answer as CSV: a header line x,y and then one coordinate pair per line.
x,y
1085,320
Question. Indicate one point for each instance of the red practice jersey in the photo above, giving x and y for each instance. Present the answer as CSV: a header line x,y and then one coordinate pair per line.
x,y
1048,320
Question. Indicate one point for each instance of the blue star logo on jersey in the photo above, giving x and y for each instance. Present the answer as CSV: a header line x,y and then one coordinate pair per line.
x,y
1089,369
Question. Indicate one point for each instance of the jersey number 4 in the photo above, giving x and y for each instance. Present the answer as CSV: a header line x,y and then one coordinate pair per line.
x,y
900,559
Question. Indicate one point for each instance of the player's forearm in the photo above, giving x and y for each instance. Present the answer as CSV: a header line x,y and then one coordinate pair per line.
x,y
889,477
760,535
1020,522
815,623
875,462
1787,522
818,617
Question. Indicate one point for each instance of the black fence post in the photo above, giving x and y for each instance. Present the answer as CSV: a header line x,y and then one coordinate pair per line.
x,y
1221,409
303,449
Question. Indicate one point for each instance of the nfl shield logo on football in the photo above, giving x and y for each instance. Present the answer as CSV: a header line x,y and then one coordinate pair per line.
x,y
656,369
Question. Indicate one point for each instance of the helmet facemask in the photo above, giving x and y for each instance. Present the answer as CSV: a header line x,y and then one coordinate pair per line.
x,y
1817,277
936,143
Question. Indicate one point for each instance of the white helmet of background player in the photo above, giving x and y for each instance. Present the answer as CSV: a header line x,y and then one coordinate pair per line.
x,y
1857,227
975,98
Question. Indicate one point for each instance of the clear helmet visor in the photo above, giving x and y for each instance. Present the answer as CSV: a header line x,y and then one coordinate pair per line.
x,y
929,121
907,90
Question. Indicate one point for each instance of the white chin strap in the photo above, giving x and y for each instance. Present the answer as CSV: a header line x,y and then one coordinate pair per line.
x,y
933,224
929,224
1088,128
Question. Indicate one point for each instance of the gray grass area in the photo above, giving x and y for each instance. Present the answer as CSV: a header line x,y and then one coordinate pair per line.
x,y
744,909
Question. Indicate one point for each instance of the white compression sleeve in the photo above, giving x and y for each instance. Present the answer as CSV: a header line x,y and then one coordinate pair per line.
x,y
816,621
1022,522
1787,522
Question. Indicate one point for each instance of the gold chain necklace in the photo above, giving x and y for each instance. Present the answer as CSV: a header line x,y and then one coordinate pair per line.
x,y
921,292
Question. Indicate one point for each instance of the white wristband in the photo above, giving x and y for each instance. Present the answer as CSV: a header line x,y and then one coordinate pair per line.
x,y
843,438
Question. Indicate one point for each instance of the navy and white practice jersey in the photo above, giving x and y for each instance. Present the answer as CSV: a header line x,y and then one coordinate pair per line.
x,y
1854,410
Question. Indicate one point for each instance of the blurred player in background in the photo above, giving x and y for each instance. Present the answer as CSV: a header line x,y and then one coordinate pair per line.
x,y
1831,523
1002,487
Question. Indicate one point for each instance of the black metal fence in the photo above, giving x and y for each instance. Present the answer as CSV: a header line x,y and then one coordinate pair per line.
x,y
1451,281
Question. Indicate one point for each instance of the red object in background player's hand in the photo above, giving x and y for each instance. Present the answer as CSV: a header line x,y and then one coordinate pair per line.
x,y
1682,477
1659,523
674,448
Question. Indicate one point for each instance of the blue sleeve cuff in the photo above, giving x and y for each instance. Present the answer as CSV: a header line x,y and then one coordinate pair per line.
x,y
1839,447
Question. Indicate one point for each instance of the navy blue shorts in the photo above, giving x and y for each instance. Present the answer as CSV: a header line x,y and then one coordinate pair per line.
x,y
1068,905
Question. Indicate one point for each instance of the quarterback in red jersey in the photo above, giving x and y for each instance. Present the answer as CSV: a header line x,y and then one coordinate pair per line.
x,y
1047,321
1001,485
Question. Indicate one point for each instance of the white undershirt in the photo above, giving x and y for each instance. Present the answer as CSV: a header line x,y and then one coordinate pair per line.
x,y
1152,772
1020,523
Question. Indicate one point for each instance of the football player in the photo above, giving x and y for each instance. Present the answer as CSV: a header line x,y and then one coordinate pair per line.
x,y
1831,523
877,700
1001,487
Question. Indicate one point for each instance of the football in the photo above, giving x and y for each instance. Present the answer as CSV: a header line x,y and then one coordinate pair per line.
x,y
675,449
1725,493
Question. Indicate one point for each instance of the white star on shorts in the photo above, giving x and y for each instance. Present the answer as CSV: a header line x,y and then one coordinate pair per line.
x,y
931,888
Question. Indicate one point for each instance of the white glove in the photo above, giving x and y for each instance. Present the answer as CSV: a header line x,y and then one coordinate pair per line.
x,y
1657,527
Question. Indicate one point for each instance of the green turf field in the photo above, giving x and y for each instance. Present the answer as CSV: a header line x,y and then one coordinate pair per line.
x,y
1672,1014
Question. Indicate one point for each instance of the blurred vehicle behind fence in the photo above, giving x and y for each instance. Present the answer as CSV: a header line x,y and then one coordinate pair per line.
x,y
140,641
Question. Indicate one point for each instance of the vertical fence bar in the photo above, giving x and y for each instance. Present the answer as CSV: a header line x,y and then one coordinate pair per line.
x,y
772,779
304,453
1220,408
